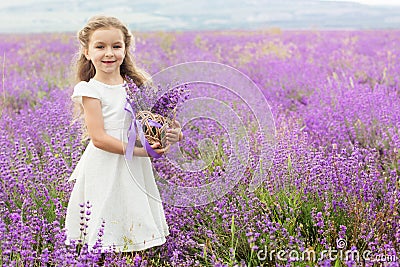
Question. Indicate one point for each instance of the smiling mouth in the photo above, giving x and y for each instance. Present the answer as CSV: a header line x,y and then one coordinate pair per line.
x,y
109,62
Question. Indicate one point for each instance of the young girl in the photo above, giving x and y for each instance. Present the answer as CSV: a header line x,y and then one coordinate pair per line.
x,y
117,193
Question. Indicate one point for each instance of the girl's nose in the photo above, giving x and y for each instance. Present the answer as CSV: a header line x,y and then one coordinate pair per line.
x,y
109,52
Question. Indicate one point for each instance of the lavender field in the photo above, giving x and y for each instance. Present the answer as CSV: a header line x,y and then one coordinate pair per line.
x,y
332,189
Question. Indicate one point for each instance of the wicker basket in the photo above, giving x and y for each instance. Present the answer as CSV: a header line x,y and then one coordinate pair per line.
x,y
153,134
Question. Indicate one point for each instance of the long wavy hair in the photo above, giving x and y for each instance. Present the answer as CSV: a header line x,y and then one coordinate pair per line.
x,y
84,68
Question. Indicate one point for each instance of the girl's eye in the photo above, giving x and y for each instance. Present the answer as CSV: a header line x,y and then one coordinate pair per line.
x,y
99,46
117,46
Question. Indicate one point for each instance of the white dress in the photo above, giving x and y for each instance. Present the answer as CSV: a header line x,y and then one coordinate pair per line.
x,y
121,193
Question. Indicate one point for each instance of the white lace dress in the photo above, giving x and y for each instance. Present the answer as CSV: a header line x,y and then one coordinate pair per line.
x,y
121,192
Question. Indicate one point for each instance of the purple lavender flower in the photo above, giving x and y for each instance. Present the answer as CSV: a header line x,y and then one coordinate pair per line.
x,y
147,97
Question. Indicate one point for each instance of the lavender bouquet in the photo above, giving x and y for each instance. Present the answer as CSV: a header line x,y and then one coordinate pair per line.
x,y
152,112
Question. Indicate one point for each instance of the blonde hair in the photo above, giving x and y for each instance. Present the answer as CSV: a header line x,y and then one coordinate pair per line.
x,y
84,68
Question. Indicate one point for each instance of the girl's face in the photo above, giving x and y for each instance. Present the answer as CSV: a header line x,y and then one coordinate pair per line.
x,y
106,50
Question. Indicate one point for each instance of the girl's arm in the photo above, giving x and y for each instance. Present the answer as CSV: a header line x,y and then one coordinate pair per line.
x,y
95,125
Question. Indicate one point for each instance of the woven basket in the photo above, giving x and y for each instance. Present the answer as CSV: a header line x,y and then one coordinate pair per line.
x,y
153,134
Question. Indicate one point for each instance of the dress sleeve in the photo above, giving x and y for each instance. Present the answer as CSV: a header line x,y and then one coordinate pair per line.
x,y
84,89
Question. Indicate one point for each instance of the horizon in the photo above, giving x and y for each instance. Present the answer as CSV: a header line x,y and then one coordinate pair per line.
x,y
39,16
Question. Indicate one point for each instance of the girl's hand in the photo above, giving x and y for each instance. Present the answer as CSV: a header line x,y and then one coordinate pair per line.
x,y
141,151
175,134
158,150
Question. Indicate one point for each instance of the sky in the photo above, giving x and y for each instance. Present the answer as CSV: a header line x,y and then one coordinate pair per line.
x,y
377,2
17,16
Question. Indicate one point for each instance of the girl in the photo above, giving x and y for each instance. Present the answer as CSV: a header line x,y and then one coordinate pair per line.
x,y
116,194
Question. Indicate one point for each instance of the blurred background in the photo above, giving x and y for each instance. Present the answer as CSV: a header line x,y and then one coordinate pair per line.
x,y
22,16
